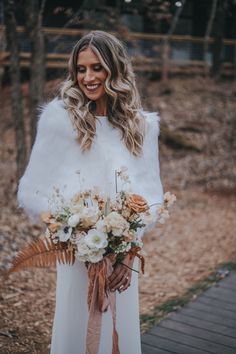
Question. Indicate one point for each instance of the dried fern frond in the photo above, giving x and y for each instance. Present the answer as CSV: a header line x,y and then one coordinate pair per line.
x,y
42,253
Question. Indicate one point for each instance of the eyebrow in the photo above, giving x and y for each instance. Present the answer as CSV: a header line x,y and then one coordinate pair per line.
x,y
98,63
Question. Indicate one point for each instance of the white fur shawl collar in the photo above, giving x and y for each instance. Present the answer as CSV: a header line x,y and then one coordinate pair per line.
x,y
56,161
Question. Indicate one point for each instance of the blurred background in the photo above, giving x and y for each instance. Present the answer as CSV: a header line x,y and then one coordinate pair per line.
x,y
184,57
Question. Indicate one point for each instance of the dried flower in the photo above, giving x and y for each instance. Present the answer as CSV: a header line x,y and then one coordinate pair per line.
x,y
137,203
47,217
115,223
54,227
169,199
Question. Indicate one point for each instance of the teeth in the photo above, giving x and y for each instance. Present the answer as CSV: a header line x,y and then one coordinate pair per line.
x,y
92,87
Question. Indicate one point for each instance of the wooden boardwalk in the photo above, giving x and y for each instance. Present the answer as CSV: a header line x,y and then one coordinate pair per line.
x,y
206,325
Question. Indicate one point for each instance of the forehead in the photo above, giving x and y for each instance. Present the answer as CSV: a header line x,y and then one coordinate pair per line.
x,y
87,56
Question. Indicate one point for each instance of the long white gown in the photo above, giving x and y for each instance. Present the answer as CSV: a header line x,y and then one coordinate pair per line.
x,y
57,162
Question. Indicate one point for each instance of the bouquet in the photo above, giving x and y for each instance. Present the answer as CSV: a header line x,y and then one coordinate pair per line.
x,y
91,226
98,230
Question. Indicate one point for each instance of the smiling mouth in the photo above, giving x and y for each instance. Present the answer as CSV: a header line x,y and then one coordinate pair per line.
x,y
92,88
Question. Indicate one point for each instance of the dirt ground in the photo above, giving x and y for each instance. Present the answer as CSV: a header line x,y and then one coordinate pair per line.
x,y
199,236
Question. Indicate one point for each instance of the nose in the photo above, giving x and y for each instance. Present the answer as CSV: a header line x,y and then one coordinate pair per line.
x,y
89,76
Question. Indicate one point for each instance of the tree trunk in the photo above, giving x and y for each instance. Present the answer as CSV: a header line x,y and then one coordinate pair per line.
x,y
208,33
16,95
34,14
218,35
234,36
166,44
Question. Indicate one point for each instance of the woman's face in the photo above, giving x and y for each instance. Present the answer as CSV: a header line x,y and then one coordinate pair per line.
x,y
91,75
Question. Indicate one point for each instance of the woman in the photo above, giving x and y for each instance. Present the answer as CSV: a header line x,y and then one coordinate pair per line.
x,y
82,139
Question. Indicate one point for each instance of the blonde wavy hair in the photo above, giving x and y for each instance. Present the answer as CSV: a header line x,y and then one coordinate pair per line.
x,y
123,105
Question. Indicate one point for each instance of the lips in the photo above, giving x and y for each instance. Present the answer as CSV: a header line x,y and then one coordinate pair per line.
x,y
92,88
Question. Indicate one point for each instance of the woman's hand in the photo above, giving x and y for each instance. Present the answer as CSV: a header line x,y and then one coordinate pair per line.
x,y
120,278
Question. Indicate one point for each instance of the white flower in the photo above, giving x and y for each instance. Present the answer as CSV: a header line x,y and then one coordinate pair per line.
x,y
100,225
123,247
81,257
89,216
147,218
64,234
74,220
115,223
96,256
96,239
169,199
163,214
82,248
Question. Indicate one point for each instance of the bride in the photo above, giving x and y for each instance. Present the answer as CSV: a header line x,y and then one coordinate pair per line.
x,y
96,127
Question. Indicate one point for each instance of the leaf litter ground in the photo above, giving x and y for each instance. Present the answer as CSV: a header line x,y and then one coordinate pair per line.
x,y
199,236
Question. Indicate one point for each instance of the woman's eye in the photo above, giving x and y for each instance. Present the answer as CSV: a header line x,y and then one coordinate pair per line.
x,y
97,68
80,69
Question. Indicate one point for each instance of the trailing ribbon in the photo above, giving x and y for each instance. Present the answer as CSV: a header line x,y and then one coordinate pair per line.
x,y
134,252
99,299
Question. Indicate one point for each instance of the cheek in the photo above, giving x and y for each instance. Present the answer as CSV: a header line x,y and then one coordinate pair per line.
x,y
79,78
103,76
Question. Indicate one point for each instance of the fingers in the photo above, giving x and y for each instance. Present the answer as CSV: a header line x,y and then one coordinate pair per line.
x,y
120,279
118,273
116,277
124,285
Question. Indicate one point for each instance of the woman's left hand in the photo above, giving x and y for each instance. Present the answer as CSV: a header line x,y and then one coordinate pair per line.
x,y
120,278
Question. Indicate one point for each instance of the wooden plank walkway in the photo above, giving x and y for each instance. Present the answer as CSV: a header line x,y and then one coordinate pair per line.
x,y
205,325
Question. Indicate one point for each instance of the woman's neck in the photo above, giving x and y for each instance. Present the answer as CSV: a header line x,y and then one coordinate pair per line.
x,y
101,106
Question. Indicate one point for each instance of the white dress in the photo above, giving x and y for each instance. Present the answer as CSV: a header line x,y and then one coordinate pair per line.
x,y
57,162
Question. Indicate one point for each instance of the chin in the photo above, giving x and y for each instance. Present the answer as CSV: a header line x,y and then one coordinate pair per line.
x,y
93,97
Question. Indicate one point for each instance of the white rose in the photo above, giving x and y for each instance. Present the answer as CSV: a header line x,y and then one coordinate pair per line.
x,y
64,234
82,247
115,223
81,257
96,256
74,220
100,225
89,216
96,239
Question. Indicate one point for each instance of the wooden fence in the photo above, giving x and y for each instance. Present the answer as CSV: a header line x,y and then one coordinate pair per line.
x,y
58,58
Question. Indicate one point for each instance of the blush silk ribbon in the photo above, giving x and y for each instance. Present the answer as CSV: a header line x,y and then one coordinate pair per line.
x,y
99,299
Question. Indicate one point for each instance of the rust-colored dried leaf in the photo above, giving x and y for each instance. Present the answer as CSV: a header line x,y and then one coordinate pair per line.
x,y
42,253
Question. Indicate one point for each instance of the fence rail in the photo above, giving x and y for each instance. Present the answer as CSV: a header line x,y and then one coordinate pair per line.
x,y
144,49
